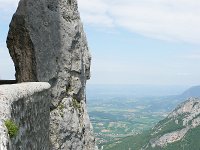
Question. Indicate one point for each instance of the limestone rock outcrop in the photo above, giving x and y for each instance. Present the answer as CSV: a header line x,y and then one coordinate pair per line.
x,y
47,44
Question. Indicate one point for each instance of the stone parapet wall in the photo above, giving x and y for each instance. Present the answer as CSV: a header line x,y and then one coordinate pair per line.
x,y
27,106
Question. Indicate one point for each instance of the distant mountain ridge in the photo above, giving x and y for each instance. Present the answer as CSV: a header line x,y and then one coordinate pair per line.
x,y
191,92
180,130
175,131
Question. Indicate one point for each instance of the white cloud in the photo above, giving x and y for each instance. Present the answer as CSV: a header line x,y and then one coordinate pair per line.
x,y
184,74
174,20
98,20
7,5
7,9
7,70
94,12
192,56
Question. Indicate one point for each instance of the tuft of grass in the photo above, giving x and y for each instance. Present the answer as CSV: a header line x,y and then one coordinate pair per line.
x,y
12,128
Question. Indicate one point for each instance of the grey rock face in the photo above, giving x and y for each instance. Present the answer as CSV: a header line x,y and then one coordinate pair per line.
x,y
27,105
47,43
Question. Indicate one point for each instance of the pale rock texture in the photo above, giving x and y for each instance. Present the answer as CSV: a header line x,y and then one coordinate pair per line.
x,y
47,43
170,138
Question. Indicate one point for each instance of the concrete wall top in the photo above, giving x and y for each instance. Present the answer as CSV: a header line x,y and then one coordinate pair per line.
x,y
13,92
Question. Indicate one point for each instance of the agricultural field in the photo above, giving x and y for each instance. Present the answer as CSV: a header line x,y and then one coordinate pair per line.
x,y
122,117
115,116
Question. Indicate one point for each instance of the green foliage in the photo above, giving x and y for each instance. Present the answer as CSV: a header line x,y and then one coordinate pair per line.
x,y
12,128
167,126
189,142
76,104
129,143
61,106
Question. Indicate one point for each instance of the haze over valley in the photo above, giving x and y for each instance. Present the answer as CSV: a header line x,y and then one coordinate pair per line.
x,y
120,111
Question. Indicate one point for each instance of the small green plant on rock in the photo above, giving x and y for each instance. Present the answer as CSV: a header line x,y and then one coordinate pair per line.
x,y
76,104
61,106
12,128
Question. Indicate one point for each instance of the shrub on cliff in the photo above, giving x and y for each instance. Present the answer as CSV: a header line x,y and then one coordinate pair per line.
x,y
12,128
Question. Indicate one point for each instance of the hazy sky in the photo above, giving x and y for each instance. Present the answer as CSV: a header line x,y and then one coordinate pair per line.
x,y
132,41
